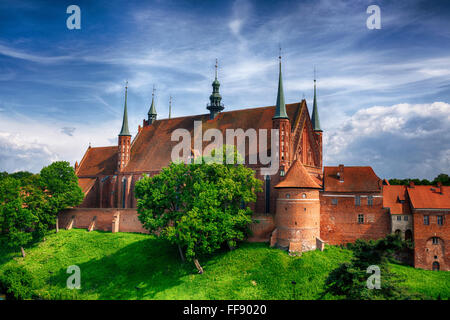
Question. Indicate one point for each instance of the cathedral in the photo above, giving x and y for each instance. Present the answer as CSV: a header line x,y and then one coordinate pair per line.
x,y
302,207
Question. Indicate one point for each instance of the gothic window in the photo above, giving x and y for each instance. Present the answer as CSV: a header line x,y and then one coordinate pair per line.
x,y
267,187
124,189
435,240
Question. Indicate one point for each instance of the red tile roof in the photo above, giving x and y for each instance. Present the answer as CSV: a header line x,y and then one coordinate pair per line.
x,y
356,179
86,184
151,150
429,197
298,177
392,197
98,161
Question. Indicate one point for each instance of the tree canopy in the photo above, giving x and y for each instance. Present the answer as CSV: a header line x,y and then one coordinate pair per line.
x,y
442,178
198,206
30,203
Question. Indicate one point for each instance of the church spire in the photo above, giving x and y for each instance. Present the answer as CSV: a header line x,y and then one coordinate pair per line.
x,y
152,112
124,131
215,105
315,114
280,111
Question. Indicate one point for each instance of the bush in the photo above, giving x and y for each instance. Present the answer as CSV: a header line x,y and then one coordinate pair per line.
x,y
18,283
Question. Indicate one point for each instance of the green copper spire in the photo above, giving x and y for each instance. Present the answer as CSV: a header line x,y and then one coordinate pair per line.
x,y
315,114
215,105
125,131
152,112
280,111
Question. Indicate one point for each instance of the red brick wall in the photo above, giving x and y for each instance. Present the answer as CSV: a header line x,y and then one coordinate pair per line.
x,y
92,199
263,229
424,250
298,218
339,223
129,221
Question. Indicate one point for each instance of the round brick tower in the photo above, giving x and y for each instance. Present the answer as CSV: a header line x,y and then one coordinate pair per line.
x,y
297,217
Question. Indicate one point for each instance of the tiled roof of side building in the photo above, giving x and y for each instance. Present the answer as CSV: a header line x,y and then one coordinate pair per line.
x,y
429,197
98,161
86,184
355,179
298,177
152,147
394,198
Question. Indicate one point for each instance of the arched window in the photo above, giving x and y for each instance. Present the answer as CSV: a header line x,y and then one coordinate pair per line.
x,y
267,187
435,266
124,190
408,234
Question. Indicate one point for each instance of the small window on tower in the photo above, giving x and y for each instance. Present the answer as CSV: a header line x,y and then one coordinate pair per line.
x,y
360,218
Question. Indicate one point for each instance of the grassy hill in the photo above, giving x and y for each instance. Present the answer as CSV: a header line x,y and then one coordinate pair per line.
x,y
137,266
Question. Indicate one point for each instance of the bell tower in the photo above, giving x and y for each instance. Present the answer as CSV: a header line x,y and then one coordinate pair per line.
x,y
281,122
124,138
215,104
316,123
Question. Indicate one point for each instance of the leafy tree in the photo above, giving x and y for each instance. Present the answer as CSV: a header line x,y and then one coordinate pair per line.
x,y
56,189
198,206
442,178
350,279
16,218
29,206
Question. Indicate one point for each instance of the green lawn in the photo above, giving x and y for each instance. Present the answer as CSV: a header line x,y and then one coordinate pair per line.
x,y
137,266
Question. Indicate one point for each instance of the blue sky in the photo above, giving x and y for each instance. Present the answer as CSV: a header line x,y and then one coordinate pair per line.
x,y
383,95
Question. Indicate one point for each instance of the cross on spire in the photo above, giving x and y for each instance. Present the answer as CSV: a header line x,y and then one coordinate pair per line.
x,y
216,67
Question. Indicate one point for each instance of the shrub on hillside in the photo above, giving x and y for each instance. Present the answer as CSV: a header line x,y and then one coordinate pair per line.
x,y
350,279
18,283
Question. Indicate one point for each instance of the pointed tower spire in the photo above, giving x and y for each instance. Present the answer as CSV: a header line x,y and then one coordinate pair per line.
x,y
170,106
215,105
124,131
280,111
152,112
315,114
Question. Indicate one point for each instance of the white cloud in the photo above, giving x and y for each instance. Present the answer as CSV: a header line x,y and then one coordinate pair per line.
x,y
28,144
403,140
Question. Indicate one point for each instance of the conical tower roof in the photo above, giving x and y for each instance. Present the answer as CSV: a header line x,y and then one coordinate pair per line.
x,y
280,111
298,177
315,114
124,131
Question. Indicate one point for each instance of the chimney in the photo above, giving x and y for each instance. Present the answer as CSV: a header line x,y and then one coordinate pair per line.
x,y
411,184
440,187
340,173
